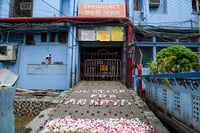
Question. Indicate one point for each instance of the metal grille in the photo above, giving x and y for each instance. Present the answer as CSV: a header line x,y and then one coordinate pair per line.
x,y
100,63
102,69
196,108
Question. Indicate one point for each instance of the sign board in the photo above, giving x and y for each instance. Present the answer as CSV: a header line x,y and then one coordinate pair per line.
x,y
117,34
88,35
104,68
103,35
102,9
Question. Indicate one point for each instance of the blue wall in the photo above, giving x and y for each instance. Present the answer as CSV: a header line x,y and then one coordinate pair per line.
x,y
65,10
28,66
169,13
50,8
176,15
176,94
104,1
4,8
33,75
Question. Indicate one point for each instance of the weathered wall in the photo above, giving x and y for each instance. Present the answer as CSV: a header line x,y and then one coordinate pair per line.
x,y
35,75
7,119
26,106
169,13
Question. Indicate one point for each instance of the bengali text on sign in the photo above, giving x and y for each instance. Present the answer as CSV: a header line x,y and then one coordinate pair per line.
x,y
103,35
102,9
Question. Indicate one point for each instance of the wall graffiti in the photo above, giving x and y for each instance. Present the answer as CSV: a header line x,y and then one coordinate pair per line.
x,y
189,84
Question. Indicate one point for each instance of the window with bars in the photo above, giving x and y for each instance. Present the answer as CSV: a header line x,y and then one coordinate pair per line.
x,y
22,8
44,37
52,36
30,39
194,6
62,37
137,5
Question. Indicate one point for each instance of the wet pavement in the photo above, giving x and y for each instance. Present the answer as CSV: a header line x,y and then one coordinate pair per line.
x,y
103,99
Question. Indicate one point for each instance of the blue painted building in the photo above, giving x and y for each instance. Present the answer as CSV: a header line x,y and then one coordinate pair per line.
x,y
163,23
88,48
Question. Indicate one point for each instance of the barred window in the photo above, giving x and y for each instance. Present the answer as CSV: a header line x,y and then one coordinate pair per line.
x,y
137,5
44,37
22,8
62,37
194,6
30,39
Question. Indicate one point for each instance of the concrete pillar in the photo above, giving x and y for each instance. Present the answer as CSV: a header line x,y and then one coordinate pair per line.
x,y
199,54
154,53
70,49
124,63
74,49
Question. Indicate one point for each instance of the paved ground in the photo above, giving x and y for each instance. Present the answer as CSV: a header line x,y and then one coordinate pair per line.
x,y
102,99
98,100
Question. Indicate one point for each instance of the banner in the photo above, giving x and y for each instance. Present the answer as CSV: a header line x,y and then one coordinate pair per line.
x,y
103,35
102,9
88,35
117,34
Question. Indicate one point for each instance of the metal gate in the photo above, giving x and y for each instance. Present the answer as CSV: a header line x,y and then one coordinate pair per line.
x,y
102,69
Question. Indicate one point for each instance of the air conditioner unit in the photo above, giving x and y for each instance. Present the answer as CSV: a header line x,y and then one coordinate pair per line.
x,y
25,6
7,53
154,3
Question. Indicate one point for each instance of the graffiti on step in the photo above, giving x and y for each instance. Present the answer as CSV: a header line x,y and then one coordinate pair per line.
x,y
99,97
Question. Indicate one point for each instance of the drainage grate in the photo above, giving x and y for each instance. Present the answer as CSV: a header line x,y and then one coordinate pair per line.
x,y
155,94
164,97
196,108
177,101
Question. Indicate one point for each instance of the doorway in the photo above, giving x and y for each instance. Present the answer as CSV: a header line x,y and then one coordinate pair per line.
x,y
100,63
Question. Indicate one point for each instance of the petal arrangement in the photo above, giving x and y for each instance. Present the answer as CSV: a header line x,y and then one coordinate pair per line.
x,y
107,125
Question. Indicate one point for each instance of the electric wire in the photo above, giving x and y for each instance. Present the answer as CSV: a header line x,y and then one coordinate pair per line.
x,y
150,30
163,32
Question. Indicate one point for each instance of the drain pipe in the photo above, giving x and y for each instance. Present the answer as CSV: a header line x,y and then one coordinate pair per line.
x,y
139,77
80,18
74,48
69,57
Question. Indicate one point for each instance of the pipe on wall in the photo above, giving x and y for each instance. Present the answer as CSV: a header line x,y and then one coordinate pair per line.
x,y
74,49
139,77
80,18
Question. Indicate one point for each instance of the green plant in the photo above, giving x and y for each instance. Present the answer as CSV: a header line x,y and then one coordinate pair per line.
x,y
175,59
153,67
